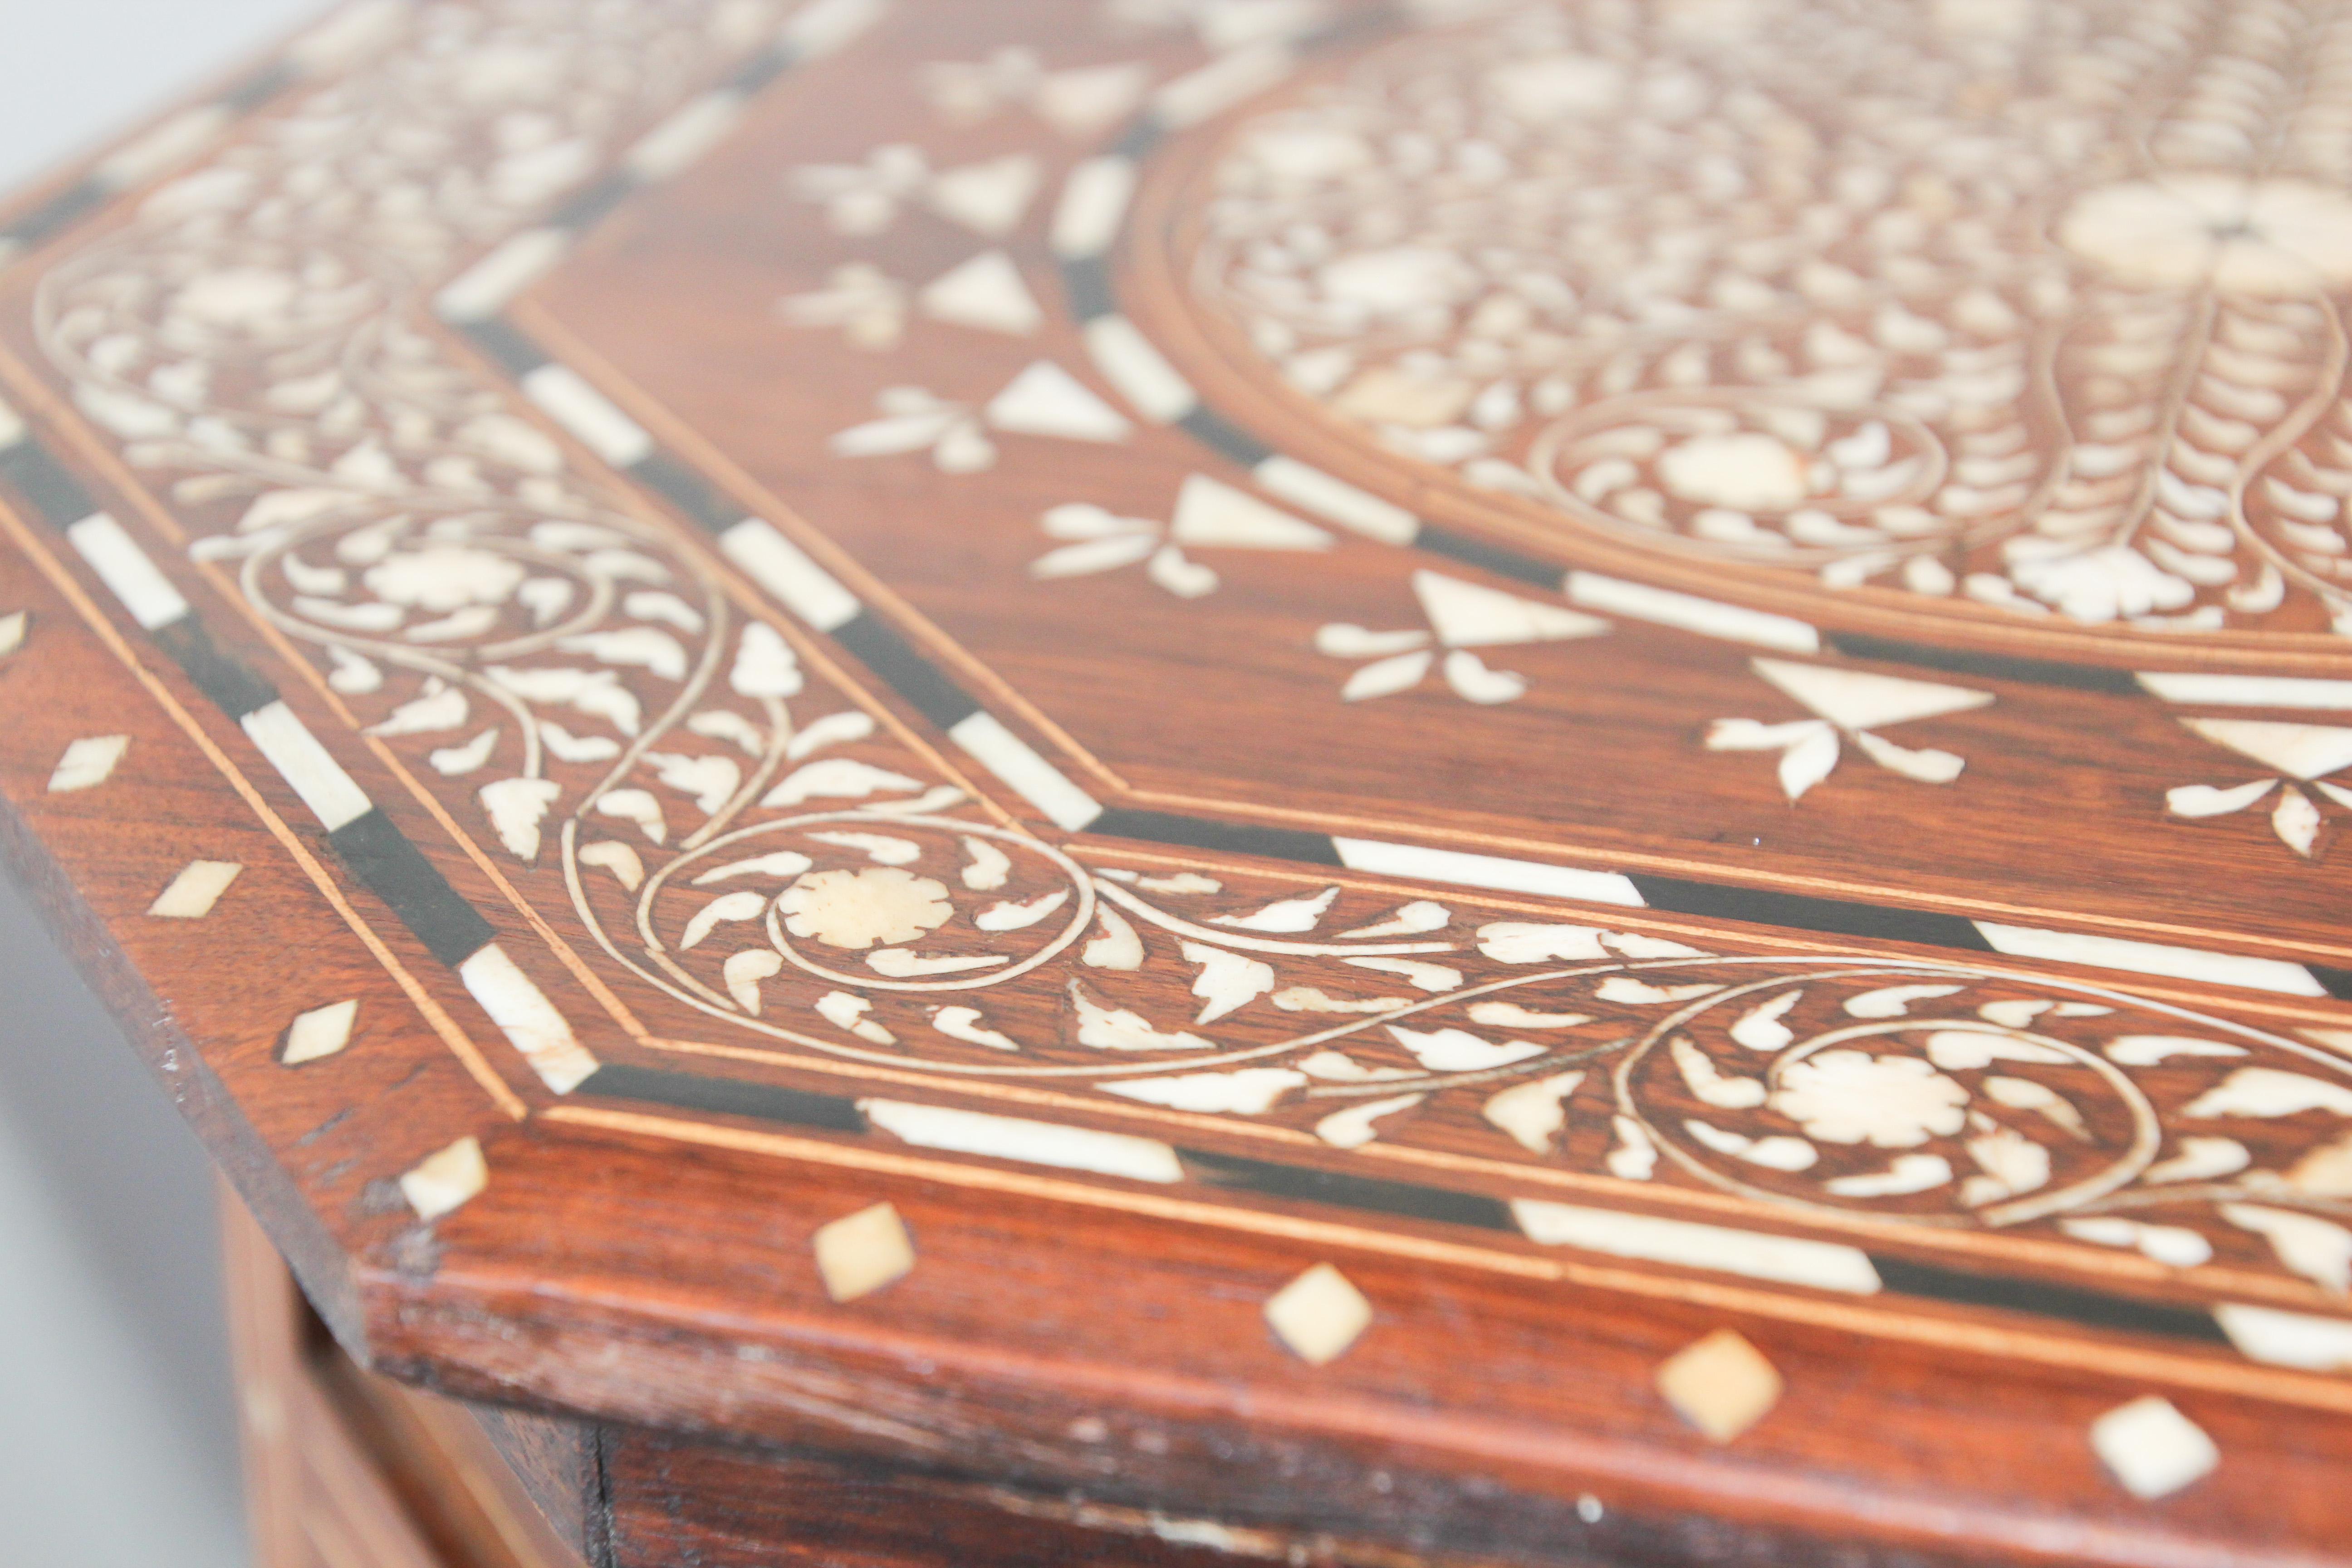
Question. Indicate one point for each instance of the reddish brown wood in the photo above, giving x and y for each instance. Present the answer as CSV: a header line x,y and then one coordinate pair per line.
x,y
295,482
345,1470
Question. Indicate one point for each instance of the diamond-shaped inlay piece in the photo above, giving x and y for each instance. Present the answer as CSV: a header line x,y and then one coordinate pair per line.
x,y
88,762
860,1253
446,1181
1320,1314
320,1031
194,891
1721,1384
2152,1449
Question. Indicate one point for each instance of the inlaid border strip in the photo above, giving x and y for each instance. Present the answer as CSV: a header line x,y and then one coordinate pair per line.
x,y
436,1018
1879,1313
1703,1246
370,846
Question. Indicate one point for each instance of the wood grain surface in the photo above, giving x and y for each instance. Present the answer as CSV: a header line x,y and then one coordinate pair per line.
x,y
1491,783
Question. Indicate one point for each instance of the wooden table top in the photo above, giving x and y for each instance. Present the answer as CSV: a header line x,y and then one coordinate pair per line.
x,y
1562,778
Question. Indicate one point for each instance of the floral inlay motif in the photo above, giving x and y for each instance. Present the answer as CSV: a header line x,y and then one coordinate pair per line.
x,y
1852,1096
2037,307
858,909
2267,239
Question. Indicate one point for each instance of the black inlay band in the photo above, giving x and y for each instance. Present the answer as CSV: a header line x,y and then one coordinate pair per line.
x,y
514,353
1231,839
1138,140
259,88
1988,666
1354,27
686,490
397,871
725,1097
1488,557
2089,1308
75,201
1758,906
1214,430
1088,279
232,688
762,68
2337,983
593,204
1403,1198
377,853
55,494
908,673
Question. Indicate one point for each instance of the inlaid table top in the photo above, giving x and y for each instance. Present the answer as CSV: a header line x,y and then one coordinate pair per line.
x,y
1561,779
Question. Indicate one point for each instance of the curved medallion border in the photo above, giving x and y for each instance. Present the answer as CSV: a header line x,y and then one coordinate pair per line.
x,y
1963,400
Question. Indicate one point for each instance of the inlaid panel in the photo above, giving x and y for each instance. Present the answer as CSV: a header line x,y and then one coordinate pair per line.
x,y
1372,474
1350,702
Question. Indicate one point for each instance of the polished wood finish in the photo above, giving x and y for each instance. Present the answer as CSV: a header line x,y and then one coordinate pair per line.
x,y
820,822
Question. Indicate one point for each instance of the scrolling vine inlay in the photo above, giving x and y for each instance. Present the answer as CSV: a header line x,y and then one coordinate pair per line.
x,y
2080,362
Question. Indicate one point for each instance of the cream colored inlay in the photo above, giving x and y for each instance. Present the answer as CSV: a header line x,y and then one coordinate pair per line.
x,y
89,762
1721,1384
194,891
860,1253
2152,1449
446,1181
1320,1314
320,1031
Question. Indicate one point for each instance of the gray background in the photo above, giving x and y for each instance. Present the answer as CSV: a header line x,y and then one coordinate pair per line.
x,y
117,1444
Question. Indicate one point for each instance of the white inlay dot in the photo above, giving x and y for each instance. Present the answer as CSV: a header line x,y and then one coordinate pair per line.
x,y
1721,1384
89,762
1320,1314
194,891
860,1253
447,1180
320,1031
12,631
2152,1449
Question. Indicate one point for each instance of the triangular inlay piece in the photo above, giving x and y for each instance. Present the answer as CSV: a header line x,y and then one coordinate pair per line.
x,y
988,198
1210,513
1046,400
1853,699
987,293
1465,615
2299,750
